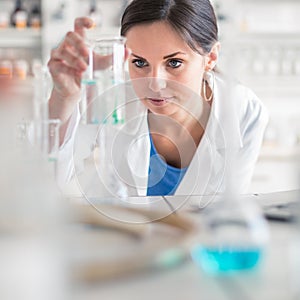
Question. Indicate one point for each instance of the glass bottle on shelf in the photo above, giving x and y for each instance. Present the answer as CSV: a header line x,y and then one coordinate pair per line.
x,y
6,69
59,13
95,13
19,15
4,19
20,69
34,20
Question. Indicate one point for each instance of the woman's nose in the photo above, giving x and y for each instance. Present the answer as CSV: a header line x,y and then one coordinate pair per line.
x,y
157,82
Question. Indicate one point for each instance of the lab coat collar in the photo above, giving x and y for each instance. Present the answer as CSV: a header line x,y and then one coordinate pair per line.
x,y
223,126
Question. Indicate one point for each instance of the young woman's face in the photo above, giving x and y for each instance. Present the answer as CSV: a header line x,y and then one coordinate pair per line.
x,y
164,69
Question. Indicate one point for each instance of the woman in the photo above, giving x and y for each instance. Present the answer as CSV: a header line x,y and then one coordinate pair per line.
x,y
174,50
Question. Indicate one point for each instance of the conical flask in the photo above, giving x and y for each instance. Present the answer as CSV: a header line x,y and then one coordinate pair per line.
x,y
235,232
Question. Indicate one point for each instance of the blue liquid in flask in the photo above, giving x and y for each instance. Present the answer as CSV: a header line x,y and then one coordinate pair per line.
x,y
226,260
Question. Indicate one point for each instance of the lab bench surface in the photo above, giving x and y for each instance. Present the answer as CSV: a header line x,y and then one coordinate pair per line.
x,y
277,277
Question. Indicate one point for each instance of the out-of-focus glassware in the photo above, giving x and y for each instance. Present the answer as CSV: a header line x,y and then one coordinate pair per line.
x,y
20,69
287,62
95,14
42,89
234,236
59,13
273,62
19,15
6,69
4,19
297,63
32,215
35,19
259,61
42,137
46,137
294,258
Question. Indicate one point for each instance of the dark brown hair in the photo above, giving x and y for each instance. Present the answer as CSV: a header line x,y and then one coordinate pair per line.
x,y
194,20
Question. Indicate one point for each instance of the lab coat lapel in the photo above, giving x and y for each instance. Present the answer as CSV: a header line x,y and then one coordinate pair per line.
x,y
206,172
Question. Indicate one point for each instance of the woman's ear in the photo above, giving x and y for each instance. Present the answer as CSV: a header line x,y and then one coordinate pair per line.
x,y
212,57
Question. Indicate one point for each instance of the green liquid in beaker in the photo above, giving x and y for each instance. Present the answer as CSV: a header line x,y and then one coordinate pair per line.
x,y
88,81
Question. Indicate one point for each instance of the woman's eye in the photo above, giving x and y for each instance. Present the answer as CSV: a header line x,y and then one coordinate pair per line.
x,y
139,63
174,63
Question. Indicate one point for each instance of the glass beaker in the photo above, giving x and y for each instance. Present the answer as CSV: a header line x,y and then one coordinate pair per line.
x,y
46,138
234,236
105,70
41,134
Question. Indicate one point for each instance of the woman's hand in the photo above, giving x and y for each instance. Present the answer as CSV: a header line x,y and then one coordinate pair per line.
x,y
69,60
66,65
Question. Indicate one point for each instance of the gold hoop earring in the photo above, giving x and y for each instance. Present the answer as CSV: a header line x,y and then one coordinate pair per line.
x,y
208,79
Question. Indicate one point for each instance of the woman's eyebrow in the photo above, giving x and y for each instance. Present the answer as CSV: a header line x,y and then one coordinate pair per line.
x,y
137,56
174,54
167,56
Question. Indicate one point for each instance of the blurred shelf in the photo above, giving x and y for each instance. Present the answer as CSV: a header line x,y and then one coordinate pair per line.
x,y
268,37
268,1
279,87
20,38
278,152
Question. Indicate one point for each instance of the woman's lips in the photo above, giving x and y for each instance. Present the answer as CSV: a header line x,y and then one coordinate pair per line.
x,y
159,101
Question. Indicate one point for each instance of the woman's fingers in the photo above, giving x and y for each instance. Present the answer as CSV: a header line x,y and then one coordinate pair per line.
x,y
66,80
73,49
59,69
77,43
66,65
81,24
70,58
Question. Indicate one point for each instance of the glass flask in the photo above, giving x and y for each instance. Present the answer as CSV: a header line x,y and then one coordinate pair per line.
x,y
234,236
234,230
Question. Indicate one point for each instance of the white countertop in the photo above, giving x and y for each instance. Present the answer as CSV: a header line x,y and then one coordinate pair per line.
x,y
277,277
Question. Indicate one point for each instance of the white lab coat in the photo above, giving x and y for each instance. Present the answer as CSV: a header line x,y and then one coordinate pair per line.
x,y
237,121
